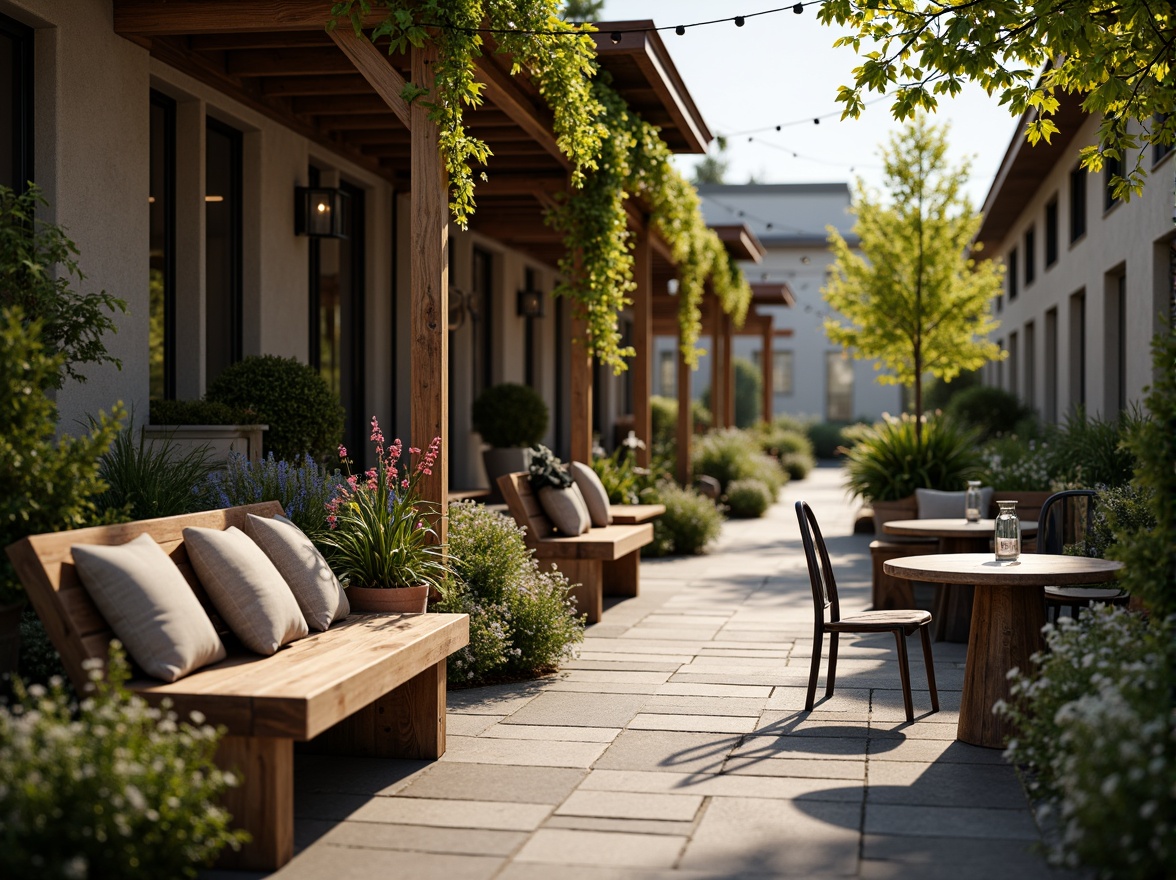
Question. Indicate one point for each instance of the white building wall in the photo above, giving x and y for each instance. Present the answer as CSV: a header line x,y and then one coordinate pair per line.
x,y
1132,239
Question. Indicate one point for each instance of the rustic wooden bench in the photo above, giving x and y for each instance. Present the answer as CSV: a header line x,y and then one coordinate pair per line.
x,y
372,684
583,558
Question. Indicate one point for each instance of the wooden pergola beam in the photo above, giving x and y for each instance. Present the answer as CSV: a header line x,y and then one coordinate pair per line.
x,y
373,65
157,18
642,366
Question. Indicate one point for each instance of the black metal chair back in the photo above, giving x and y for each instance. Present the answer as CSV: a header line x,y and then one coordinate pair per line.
x,y
820,569
1065,519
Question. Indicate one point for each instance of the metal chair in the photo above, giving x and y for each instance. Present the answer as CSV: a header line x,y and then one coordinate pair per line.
x,y
900,622
1065,519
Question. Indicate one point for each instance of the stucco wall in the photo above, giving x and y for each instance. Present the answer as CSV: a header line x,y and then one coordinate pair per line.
x,y
1129,238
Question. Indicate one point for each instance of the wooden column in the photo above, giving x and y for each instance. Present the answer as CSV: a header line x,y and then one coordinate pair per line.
x,y
766,364
580,375
685,419
717,385
728,374
429,291
642,365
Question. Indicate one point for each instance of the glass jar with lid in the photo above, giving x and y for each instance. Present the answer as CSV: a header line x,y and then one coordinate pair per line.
x,y
972,502
1007,533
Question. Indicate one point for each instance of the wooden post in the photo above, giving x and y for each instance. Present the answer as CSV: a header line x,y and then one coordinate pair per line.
x,y
717,385
580,374
429,291
766,364
728,371
685,418
642,365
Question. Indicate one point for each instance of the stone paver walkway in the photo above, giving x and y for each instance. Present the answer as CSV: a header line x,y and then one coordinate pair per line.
x,y
676,746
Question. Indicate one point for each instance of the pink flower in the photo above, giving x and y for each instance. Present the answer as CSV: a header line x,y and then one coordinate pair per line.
x,y
412,450
404,484
342,451
377,434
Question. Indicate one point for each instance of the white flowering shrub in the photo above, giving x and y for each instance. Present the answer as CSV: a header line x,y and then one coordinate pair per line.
x,y
522,622
1096,742
109,787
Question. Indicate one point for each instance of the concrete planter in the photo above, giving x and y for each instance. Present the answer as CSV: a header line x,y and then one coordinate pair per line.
x,y
220,439
499,462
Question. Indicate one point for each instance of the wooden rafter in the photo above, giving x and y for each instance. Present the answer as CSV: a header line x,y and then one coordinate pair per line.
x,y
154,18
374,66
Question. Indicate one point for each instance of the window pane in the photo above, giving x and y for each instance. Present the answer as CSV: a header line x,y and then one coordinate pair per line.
x,y
838,387
161,216
16,104
781,371
222,201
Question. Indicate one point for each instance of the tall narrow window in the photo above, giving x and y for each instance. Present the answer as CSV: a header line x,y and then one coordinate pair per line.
x,y
530,347
222,202
16,104
337,314
838,387
1078,349
1112,168
1115,340
1077,204
1051,366
667,372
1051,232
1014,364
1030,255
1030,394
1159,151
482,312
1011,273
1000,366
161,212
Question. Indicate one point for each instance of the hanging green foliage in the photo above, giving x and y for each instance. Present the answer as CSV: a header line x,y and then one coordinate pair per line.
x,y
560,60
614,154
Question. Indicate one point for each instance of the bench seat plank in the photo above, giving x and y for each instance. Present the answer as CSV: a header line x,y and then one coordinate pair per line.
x,y
607,543
628,514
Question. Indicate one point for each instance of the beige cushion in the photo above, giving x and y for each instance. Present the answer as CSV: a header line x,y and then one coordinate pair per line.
x,y
595,496
566,509
245,587
303,568
150,607
936,504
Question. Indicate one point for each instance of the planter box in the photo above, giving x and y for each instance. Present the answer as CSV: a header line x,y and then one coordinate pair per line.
x,y
220,439
885,511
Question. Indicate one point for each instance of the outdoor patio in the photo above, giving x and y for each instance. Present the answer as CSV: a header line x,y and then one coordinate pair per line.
x,y
677,746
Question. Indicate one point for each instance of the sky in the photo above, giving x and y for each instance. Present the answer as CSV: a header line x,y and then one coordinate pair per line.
x,y
782,69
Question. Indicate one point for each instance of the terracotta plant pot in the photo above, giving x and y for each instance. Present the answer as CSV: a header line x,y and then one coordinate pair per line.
x,y
403,600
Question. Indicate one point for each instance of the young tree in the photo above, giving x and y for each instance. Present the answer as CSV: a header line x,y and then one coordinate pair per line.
x,y
713,167
912,299
1116,54
582,10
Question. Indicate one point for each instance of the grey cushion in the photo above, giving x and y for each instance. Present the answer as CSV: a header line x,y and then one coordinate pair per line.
x,y
246,588
150,607
595,496
566,509
936,504
303,568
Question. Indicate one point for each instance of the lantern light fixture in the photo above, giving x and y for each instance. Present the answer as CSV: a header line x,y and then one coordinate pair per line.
x,y
322,212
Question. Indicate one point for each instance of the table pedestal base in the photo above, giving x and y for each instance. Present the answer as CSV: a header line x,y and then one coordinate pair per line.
x,y
1005,633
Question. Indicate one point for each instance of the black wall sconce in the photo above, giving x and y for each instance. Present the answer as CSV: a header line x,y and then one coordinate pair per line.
x,y
531,303
322,212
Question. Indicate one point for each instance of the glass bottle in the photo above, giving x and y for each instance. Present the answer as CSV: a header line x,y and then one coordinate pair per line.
x,y
972,502
1007,538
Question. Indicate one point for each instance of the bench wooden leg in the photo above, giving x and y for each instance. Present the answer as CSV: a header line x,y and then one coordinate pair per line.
x,y
408,722
588,574
622,577
263,804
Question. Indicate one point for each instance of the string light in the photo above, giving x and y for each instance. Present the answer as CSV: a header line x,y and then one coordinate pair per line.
x,y
679,29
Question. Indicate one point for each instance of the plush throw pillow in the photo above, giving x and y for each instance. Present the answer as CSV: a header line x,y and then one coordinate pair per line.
x,y
246,588
566,509
150,607
303,568
936,504
595,496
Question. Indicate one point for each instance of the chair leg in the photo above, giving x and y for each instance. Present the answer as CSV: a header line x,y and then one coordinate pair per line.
x,y
904,670
832,665
930,663
814,668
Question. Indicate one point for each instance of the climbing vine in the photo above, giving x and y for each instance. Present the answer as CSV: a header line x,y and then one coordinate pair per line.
x,y
614,154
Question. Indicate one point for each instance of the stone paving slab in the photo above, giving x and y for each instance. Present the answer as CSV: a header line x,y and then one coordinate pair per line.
x,y
624,826
486,750
549,732
631,805
722,785
556,846
587,710
495,782
697,723
668,750
939,821
354,863
424,838
453,813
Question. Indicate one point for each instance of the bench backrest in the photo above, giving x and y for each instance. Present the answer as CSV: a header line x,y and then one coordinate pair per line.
x,y
524,506
45,567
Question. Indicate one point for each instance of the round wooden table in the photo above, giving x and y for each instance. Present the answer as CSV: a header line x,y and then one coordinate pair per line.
x,y
1007,616
953,605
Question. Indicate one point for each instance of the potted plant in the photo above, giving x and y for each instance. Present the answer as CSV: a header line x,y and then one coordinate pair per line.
x,y
379,540
187,425
888,462
557,492
511,419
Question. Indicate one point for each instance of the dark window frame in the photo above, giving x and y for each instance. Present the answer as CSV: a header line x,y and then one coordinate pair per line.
x,y
1030,247
23,102
1111,168
1077,204
168,106
1051,232
236,140
1012,267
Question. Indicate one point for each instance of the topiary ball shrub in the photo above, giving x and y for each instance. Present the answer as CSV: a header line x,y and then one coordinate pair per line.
x,y
510,415
991,410
304,415
691,521
749,499
829,439
797,465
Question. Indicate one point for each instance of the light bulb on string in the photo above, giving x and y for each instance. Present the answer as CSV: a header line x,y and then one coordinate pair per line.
x,y
680,30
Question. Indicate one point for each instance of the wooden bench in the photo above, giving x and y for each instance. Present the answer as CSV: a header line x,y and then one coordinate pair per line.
x,y
372,684
583,558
